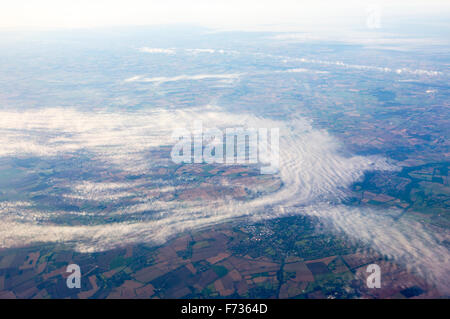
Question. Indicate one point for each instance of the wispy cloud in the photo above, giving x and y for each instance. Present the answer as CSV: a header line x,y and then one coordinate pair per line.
x,y
157,50
183,77
314,174
302,70
384,69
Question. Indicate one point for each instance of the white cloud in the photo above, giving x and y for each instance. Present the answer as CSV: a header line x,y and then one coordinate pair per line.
x,y
384,69
314,174
184,77
302,70
157,50
195,51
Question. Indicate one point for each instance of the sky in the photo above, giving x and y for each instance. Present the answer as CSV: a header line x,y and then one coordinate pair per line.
x,y
231,14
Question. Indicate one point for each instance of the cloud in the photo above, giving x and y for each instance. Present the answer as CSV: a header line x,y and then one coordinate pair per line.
x,y
196,77
407,241
157,50
196,51
314,172
135,78
384,69
211,51
285,59
171,51
302,70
